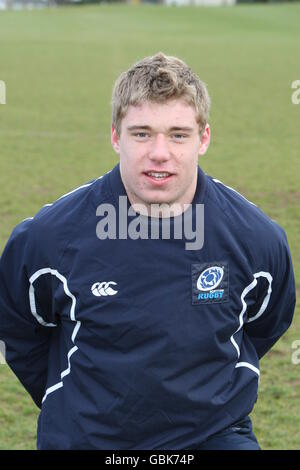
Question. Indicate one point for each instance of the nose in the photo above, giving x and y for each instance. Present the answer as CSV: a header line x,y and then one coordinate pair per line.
x,y
159,150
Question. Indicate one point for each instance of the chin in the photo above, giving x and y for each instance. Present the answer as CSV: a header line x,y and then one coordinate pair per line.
x,y
159,200
158,196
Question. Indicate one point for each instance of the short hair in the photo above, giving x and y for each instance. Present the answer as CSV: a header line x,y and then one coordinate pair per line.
x,y
157,79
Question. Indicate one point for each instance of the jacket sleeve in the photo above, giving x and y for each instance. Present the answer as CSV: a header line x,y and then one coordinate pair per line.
x,y
25,338
272,312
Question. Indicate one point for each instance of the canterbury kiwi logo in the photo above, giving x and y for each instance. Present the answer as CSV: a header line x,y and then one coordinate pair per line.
x,y
103,288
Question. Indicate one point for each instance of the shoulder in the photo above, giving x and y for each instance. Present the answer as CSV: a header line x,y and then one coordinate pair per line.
x,y
247,220
75,205
46,234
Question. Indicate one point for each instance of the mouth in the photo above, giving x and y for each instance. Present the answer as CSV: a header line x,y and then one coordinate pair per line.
x,y
159,177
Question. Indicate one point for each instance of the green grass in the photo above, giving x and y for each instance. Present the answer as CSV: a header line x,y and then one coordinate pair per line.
x,y
59,66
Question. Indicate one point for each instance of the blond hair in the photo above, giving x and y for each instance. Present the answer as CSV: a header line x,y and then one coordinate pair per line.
x,y
159,78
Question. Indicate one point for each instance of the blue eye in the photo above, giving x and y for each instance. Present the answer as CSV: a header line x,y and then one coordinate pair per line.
x,y
140,135
179,136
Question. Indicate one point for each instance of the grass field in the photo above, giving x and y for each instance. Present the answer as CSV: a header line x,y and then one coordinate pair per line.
x,y
59,66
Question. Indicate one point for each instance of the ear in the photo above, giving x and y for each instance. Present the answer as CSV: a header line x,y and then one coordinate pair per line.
x,y
205,140
115,140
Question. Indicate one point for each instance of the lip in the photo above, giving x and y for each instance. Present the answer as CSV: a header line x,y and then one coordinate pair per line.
x,y
157,182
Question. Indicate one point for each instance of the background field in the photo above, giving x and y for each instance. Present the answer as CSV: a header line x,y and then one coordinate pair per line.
x,y
59,67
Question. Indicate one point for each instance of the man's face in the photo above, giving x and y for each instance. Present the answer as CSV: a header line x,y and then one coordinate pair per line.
x,y
159,145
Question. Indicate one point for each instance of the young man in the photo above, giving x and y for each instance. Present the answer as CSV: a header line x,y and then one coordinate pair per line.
x,y
126,334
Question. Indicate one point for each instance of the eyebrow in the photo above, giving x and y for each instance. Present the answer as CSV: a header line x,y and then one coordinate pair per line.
x,y
149,128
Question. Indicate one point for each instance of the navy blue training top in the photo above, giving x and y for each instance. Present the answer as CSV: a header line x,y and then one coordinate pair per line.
x,y
141,343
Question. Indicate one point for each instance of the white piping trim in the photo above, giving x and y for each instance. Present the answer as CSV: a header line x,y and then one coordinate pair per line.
x,y
241,316
250,366
232,189
71,192
32,295
266,299
52,389
79,187
263,307
33,278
